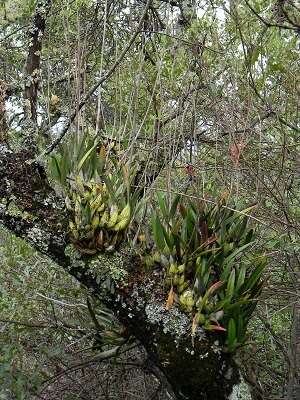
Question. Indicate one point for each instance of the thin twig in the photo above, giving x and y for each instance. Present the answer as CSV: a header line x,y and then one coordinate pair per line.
x,y
99,83
270,24
62,303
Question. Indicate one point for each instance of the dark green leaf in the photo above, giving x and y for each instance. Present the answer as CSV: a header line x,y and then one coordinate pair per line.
x,y
163,206
241,277
158,232
174,206
231,333
254,277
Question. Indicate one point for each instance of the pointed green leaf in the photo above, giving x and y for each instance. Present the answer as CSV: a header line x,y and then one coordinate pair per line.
x,y
158,233
168,238
231,333
174,206
240,331
85,157
236,253
241,277
254,277
54,169
230,284
163,205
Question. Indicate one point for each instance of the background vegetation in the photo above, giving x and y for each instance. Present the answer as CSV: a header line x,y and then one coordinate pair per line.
x,y
206,101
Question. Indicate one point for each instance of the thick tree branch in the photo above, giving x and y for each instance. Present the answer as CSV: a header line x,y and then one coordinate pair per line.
x,y
31,209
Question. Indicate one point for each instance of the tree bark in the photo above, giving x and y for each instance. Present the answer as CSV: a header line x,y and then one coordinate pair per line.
x,y
32,66
3,124
293,389
31,209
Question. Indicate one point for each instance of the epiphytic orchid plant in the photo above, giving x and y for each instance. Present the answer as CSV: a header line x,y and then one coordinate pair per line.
x,y
202,249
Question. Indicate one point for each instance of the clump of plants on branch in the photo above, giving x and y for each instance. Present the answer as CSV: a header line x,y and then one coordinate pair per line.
x,y
97,189
202,248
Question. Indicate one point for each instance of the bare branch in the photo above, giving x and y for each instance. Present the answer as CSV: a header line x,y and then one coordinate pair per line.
x,y
268,23
100,82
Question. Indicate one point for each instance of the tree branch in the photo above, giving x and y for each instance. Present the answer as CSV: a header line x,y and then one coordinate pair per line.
x,y
136,296
268,23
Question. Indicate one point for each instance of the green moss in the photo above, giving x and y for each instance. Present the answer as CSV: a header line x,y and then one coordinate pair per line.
x,y
14,211
75,257
104,266
107,269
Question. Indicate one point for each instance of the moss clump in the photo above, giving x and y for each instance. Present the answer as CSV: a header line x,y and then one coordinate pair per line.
x,y
14,211
75,257
108,268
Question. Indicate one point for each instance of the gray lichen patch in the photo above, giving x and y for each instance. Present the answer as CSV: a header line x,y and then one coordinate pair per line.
x,y
5,150
103,266
241,391
140,301
107,269
53,201
58,241
3,205
173,321
39,237
7,186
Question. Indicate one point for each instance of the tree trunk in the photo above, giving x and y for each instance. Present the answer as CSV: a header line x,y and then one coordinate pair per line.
x,y
3,124
195,369
32,67
293,389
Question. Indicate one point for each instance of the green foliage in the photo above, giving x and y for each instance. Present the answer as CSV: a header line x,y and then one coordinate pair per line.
x,y
108,331
77,156
25,340
202,248
39,332
221,73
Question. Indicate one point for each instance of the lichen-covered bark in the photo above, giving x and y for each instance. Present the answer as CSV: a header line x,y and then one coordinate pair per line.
x,y
293,390
196,369
199,371
32,66
3,124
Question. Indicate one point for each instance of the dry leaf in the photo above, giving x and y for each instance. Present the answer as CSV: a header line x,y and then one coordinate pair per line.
x,y
235,151
224,196
170,300
54,100
194,328
211,239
